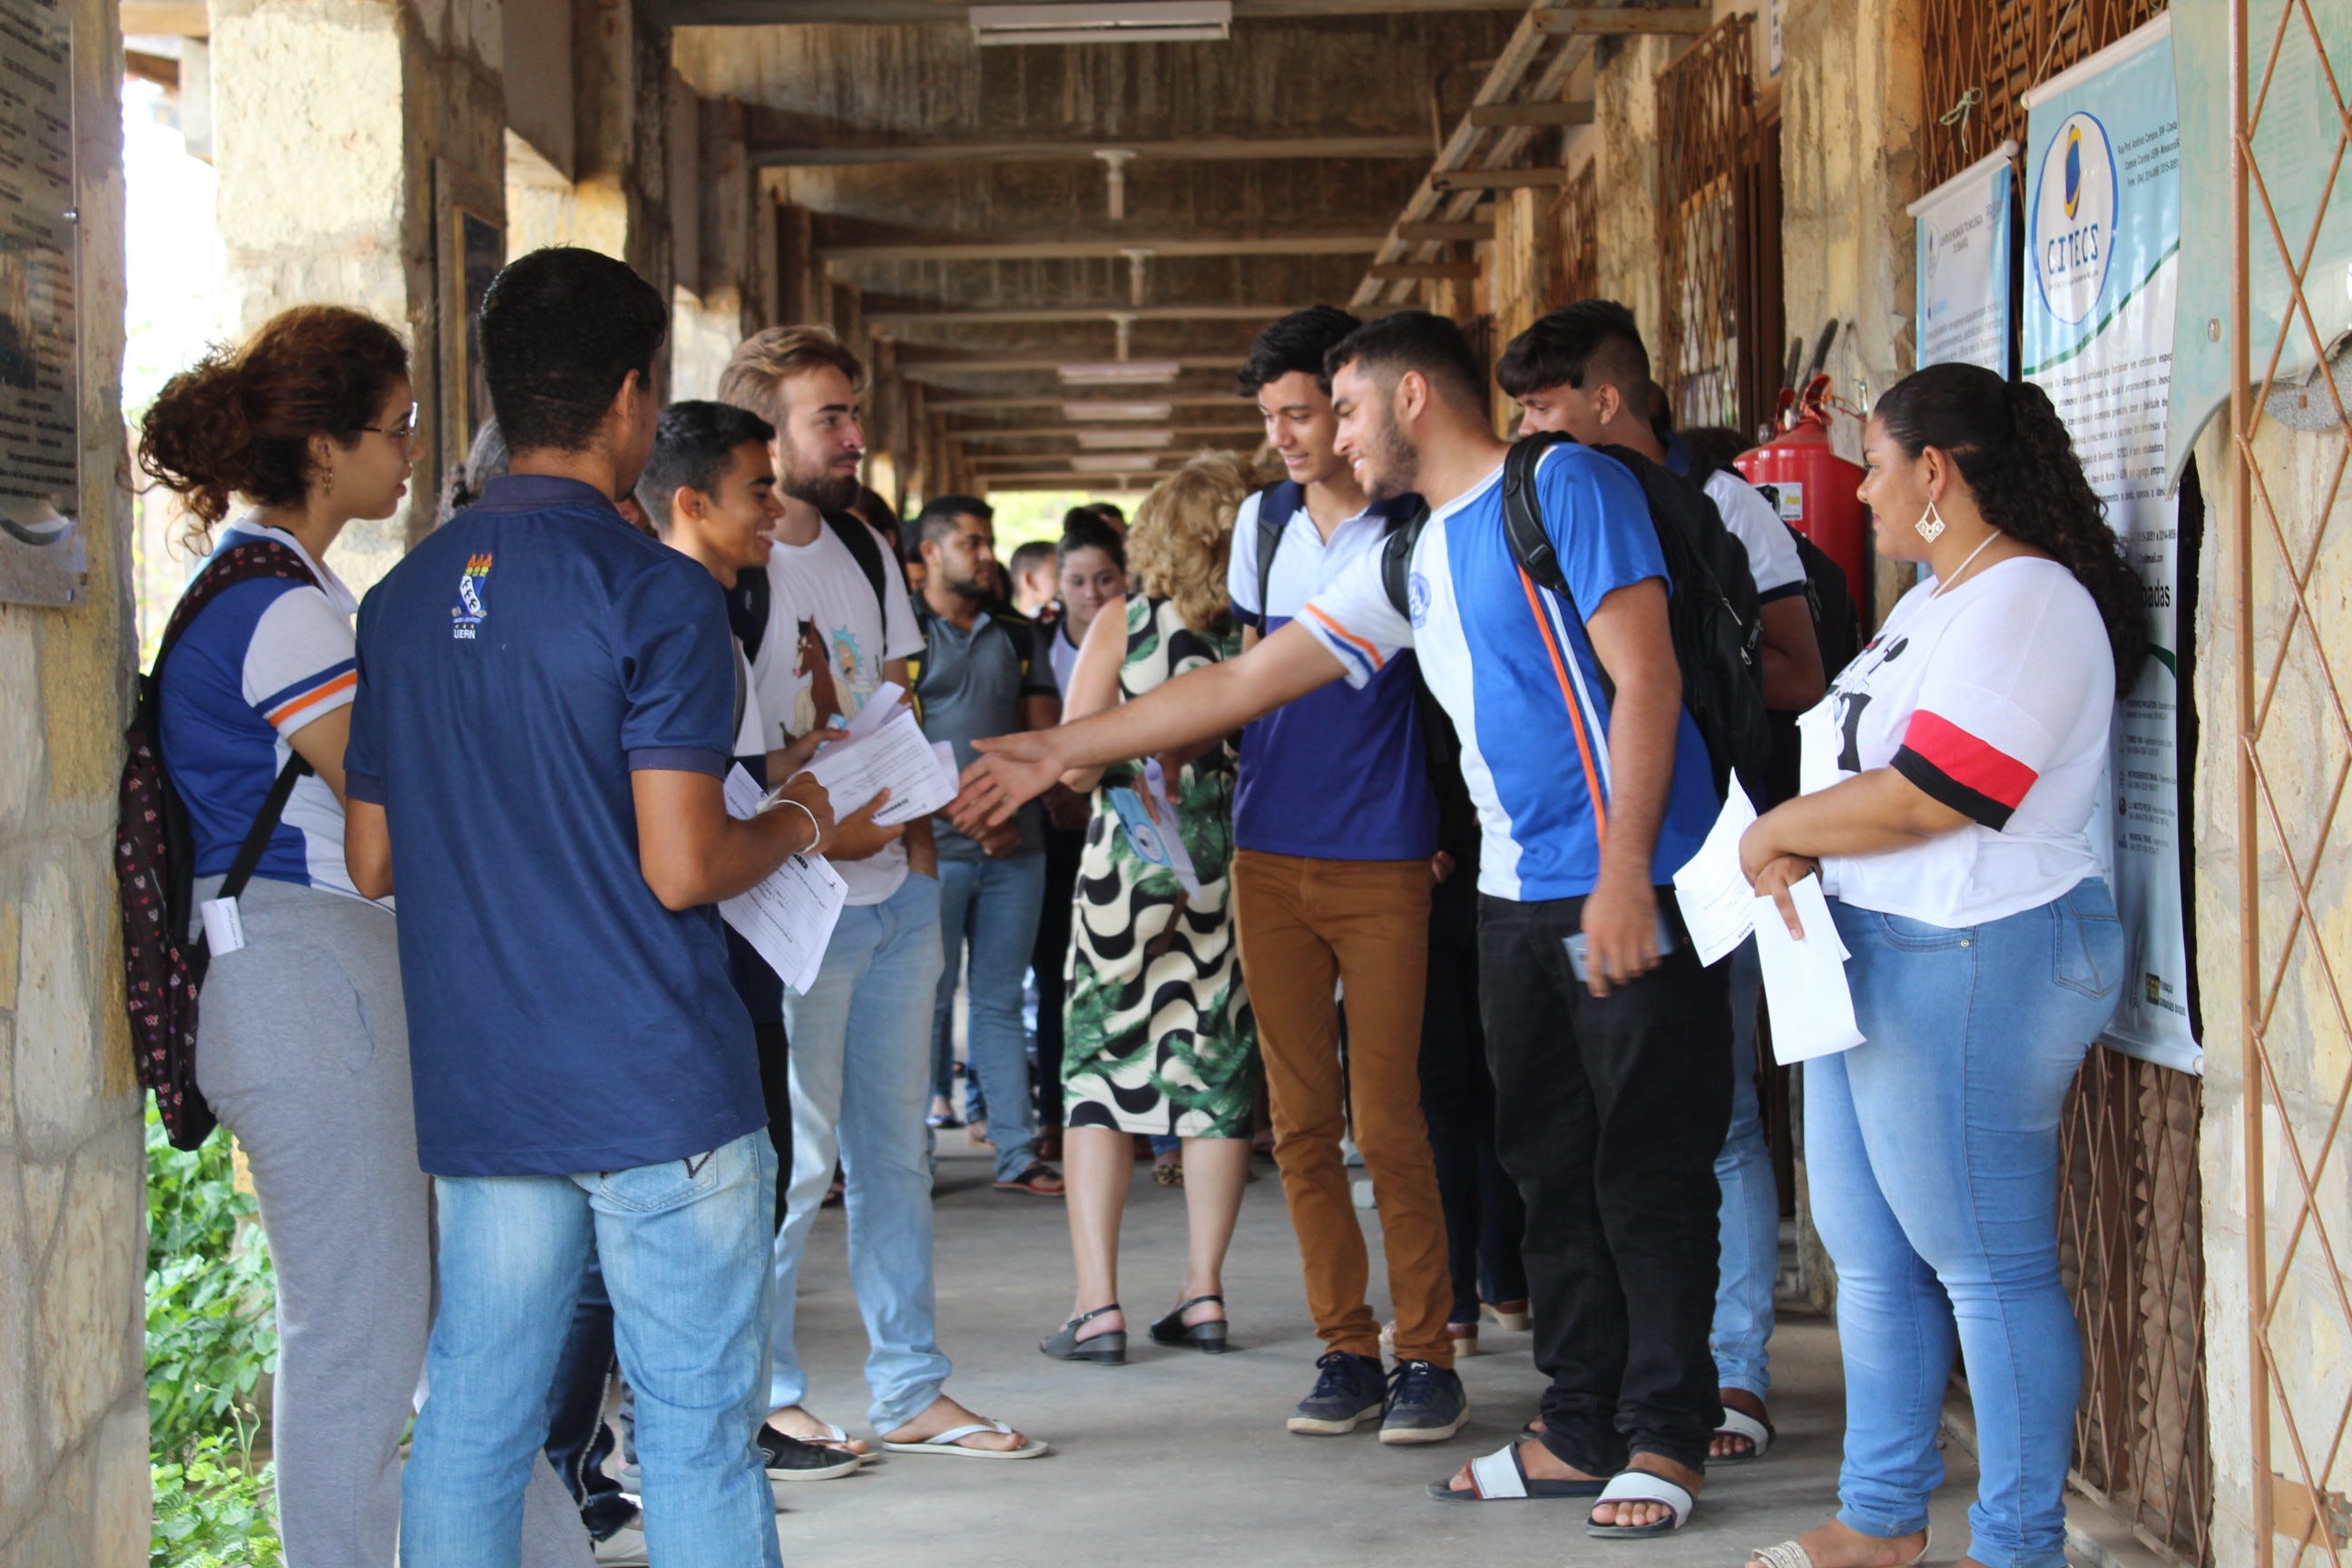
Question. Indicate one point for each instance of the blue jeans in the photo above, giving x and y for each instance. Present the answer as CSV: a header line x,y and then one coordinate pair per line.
x,y
1748,1223
993,906
861,1071
1932,1151
681,1245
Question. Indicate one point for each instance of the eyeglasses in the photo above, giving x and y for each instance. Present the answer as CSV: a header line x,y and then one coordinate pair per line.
x,y
404,431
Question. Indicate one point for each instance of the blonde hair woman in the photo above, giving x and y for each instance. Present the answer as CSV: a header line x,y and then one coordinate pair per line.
x,y
1157,1036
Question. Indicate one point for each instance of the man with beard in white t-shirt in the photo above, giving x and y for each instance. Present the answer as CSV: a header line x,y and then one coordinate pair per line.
x,y
861,1035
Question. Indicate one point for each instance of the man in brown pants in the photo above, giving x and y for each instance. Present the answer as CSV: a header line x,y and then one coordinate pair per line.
x,y
1336,836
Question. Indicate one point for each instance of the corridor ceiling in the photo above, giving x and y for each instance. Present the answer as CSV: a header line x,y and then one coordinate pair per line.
x,y
1007,211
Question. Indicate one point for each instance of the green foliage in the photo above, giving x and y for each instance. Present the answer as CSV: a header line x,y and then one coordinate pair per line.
x,y
212,1512
211,1335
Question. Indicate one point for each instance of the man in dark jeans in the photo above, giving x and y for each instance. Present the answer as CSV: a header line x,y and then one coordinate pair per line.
x,y
1610,1042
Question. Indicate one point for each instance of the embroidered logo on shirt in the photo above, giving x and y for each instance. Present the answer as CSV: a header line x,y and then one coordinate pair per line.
x,y
469,612
1416,598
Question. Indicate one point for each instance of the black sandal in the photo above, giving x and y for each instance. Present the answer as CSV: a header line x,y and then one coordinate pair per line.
x,y
1103,1350
1208,1338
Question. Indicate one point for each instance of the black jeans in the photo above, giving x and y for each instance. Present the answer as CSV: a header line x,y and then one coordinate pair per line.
x,y
578,1441
1608,1114
1484,1218
1046,959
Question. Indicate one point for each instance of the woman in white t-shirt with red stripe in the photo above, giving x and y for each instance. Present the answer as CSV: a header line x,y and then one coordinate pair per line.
x,y
1950,777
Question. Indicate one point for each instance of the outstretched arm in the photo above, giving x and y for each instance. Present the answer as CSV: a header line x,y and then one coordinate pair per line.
x,y
1207,702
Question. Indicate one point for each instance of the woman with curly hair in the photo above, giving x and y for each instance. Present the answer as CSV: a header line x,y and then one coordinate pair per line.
x,y
1158,1038
1950,777
302,1049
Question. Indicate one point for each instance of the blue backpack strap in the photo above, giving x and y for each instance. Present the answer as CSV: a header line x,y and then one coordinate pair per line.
x,y
1276,506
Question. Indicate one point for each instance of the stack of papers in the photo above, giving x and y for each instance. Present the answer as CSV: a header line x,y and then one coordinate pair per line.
x,y
788,917
1805,989
883,747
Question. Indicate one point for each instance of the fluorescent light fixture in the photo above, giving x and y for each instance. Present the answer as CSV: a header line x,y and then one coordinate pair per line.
x,y
1120,372
1110,463
1113,440
1138,412
1123,22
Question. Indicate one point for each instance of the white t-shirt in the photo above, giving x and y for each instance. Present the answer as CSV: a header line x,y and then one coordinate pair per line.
x,y
1772,558
1995,700
750,734
1062,653
823,584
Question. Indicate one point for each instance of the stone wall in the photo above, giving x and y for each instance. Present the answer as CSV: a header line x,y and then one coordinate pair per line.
x,y
2302,752
73,1404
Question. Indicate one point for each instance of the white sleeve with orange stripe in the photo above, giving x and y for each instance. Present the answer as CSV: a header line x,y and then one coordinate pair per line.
x,y
299,664
1354,619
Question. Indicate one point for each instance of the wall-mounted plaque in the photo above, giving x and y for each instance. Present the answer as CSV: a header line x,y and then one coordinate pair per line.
x,y
42,561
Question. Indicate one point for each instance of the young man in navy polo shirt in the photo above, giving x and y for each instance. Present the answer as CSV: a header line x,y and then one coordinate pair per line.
x,y
1335,829
546,707
1610,1042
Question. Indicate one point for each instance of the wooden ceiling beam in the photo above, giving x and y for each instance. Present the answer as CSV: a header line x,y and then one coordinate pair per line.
x,y
773,13
1255,430
1587,21
922,364
903,321
1088,408
1445,233
859,149
1489,115
1160,247
167,18
1417,271
1456,180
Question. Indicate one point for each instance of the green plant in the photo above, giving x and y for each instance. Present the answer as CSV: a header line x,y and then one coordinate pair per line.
x,y
211,1511
210,1331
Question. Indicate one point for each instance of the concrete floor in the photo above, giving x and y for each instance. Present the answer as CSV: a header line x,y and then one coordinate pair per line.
x,y
1179,1460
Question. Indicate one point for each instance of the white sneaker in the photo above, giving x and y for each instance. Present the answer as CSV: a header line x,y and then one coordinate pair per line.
x,y
626,1545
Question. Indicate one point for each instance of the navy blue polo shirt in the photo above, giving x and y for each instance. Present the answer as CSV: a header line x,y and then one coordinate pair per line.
x,y
514,669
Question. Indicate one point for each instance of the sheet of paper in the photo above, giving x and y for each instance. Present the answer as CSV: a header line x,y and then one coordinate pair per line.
x,y
1810,1005
788,917
1148,815
224,926
891,755
1717,904
880,709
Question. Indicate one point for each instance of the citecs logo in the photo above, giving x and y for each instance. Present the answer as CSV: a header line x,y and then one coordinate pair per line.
x,y
2075,218
470,612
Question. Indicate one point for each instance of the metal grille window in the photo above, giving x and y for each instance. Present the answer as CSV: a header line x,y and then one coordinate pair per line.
x,y
1980,57
1706,115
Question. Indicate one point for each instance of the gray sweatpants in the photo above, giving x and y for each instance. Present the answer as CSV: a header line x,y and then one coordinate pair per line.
x,y
302,1050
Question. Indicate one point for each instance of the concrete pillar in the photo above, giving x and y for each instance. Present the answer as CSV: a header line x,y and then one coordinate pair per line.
x,y
73,1461
345,133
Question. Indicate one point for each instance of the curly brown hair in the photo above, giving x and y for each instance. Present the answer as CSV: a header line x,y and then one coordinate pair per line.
x,y
1184,534
239,422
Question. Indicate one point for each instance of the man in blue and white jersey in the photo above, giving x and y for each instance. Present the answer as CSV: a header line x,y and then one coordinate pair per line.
x,y
1609,1040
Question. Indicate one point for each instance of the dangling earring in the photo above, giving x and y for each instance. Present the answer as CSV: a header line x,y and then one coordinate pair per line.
x,y
1930,526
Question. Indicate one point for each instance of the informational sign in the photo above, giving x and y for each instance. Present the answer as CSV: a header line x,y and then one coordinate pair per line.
x,y
42,561
1966,266
2300,185
2103,250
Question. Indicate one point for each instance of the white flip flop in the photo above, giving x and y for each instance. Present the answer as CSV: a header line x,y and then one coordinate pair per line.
x,y
1641,1486
951,1442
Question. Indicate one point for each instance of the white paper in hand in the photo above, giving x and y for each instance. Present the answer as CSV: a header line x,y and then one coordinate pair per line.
x,y
1804,982
1717,904
890,755
788,917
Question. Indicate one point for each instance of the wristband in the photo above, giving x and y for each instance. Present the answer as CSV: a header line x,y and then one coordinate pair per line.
x,y
817,834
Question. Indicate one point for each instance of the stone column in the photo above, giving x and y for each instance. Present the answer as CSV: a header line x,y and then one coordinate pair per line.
x,y
73,1437
344,130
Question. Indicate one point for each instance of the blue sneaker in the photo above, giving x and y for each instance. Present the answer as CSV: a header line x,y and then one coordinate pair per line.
x,y
1347,1392
1426,1404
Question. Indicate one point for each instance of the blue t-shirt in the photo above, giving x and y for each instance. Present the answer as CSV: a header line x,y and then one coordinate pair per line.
x,y
1535,735
513,671
1340,774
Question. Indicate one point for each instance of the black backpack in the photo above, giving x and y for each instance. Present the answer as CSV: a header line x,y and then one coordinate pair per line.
x,y
747,602
1712,612
154,853
1837,632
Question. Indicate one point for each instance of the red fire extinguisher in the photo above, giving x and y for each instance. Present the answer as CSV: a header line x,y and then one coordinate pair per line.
x,y
1815,485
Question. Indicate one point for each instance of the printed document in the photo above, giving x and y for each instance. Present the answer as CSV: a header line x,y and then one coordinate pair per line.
x,y
1717,904
788,917
883,747
1805,990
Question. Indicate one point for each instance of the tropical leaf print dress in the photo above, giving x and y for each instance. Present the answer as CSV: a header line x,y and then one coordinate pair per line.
x,y
1158,1032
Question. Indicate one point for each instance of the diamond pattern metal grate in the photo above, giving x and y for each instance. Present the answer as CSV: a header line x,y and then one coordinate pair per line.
x,y
1980,57
1706,122
2295,757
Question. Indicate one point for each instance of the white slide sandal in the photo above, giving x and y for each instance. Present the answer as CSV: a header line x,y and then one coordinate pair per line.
x,y
1641,1486
951,1441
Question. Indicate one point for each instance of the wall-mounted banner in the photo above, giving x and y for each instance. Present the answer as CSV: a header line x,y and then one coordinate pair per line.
x,y
1966,268
2101,251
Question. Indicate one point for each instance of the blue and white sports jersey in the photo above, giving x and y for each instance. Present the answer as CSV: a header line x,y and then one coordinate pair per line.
x,y
1340,774
1535,731
261,661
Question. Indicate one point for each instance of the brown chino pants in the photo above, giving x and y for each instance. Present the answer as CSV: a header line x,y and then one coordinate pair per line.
x,y
1303,924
